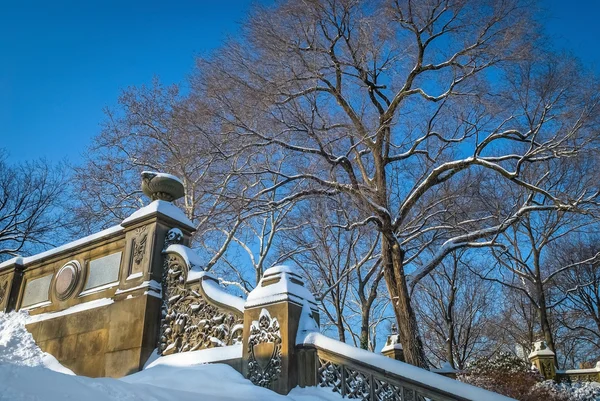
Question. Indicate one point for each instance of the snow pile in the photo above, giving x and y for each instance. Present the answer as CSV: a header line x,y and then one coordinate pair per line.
x,y
161,383
585,391
17,346
27,373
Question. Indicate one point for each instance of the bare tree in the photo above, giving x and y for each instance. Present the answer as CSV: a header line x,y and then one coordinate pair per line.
x,y
257,239
31,195
580,312
157,129
342,267
385,102
524,262
516,326
455,307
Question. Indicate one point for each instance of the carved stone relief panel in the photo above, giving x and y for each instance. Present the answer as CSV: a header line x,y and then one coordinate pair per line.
x,y
139,244
190,321
139,249
4,291
264,348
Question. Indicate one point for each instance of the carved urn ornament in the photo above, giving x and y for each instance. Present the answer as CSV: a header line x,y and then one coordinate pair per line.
x,y
161,186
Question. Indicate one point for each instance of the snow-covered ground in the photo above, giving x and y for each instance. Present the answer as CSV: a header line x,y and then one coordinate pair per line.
x,y
26,373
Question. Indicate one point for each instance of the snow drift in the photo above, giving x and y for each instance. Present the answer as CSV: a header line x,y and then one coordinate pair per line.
x,y
27,373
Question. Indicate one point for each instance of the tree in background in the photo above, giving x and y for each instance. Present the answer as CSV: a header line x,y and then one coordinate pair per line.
x,y
157,129
579,314
342,268
383,103
31,199
456,310
407,113
523,253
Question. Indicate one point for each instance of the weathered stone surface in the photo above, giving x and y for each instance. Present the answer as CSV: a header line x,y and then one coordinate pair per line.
x,y
48,329
123,362
126,324
122,264
82,322
93,342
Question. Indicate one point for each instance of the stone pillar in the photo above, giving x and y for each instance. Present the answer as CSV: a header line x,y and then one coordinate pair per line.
x,y
393,348
542,358
275,311
147,232
11,277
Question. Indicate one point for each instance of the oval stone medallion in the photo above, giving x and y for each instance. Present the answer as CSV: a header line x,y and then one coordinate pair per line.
x,y
66,280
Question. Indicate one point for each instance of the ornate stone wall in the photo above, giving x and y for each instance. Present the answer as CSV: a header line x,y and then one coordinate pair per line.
x,y
95,303
191,319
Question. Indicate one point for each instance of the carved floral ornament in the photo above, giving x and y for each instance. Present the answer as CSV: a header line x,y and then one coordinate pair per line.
x,y
139,244
264,347
190,321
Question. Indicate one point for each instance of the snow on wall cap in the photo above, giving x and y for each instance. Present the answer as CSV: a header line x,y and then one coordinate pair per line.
x,y
541,349
163,208
23,261
280,283
393,342
281,269
17,260
190,257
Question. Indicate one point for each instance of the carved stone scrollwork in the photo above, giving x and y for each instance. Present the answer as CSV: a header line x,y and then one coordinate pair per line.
x,y
546,366
387,392
358,384
3,293
139,244
189,321
173,237
354,383
264,347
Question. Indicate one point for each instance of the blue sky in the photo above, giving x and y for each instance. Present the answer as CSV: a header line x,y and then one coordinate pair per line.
x,y
62,62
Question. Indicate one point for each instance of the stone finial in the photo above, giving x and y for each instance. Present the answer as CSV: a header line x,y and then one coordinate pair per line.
x,y
162,186
393,347
542,358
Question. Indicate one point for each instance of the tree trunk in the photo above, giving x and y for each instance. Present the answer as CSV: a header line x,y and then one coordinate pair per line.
x,y
545,322
340,321
450,344
364,329
408,330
